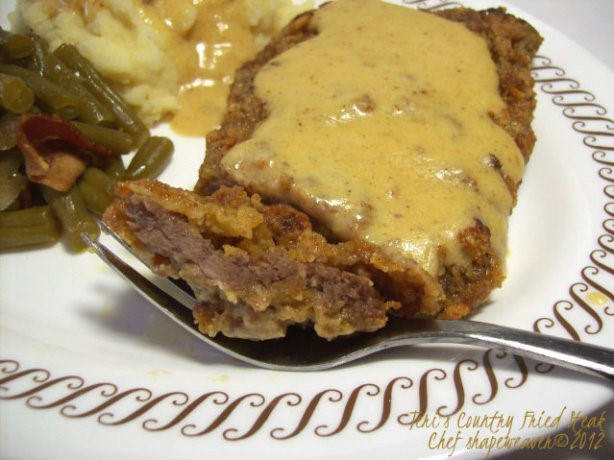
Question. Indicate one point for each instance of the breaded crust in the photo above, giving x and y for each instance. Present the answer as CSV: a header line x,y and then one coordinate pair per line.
x,y
511,41
274,266
258,268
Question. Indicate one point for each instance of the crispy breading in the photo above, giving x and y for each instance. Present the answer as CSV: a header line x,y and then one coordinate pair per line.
x,y
340,287
258,268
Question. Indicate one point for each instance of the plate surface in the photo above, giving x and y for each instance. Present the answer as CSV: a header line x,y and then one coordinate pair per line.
x,y
88,367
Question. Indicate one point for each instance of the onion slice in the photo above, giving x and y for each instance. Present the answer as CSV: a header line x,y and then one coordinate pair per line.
x,y
55,152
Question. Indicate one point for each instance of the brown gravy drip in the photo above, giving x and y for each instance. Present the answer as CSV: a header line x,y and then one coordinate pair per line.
x,y
207,46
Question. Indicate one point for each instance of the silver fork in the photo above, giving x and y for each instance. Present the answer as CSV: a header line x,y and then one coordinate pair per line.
x,y
311,353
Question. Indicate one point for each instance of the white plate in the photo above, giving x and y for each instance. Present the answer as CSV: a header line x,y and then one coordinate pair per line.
x,y
90,369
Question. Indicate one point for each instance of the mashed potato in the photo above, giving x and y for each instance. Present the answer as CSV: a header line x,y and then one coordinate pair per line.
x,y
170,59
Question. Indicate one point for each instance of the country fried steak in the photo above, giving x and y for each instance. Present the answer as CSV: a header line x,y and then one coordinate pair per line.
x,y
258,268
258,264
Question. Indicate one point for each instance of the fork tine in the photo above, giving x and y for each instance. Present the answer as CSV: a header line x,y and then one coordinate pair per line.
x,y
262,354
180,287
269,354
108,231
157,296
302,350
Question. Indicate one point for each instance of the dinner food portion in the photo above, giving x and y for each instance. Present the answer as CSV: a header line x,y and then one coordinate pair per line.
x,y
63,129
367,164
74,98
170,59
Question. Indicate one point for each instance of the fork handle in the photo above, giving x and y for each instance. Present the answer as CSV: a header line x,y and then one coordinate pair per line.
x,y
562,352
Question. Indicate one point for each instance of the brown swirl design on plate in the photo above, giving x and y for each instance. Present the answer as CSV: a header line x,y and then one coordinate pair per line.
x,y
218,411
592,295
431,5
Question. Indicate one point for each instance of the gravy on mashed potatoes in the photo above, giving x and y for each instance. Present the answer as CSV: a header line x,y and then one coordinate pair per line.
x,y
171,59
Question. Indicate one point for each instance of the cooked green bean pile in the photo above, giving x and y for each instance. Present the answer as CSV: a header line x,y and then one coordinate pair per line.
x,y
62,83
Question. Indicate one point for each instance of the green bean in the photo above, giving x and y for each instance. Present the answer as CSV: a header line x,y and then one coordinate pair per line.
x,y
117,141
91,110
125,116
70,209
36,215
8,131
95,201
57,98
11,182
115,169
151,158
16,237
37,60
15,46
28,227
15,95
10,190
97,189
10,162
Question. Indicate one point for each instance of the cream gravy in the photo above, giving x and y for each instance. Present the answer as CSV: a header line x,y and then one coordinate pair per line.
x,y
379,127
